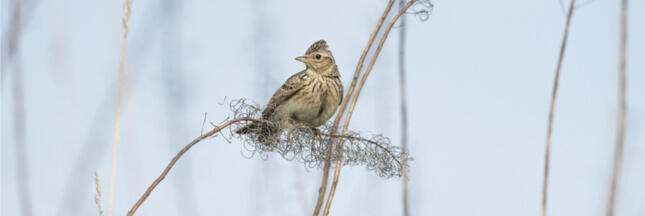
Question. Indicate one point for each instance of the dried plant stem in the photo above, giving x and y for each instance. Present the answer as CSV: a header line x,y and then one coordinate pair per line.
x,y
115,145
177,156
555,90
339,113
404,114
620,137
355,98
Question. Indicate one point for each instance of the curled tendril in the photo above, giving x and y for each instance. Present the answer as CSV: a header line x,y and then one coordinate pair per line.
x,y
423,9
298,142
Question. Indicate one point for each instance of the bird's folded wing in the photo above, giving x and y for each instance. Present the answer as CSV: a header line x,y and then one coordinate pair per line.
x,y
290,88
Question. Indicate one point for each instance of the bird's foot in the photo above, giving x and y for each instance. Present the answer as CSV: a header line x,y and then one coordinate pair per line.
x,y
317,132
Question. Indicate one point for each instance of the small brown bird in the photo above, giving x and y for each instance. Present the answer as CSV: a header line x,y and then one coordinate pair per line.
x,y
310,96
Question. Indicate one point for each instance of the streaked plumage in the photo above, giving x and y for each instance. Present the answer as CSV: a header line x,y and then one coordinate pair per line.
x,y
310,96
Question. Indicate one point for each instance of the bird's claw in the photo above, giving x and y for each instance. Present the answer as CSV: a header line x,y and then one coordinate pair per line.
x,y
317,132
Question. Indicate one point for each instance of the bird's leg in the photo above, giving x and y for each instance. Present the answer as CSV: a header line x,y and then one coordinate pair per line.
x,y
316,131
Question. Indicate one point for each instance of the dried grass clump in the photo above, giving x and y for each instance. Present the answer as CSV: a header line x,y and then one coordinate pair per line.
x,y
298,141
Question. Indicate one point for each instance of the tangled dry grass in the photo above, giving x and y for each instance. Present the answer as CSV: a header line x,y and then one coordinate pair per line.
x,y
300,143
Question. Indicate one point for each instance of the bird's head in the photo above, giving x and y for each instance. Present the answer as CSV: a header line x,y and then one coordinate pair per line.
x,y
319,59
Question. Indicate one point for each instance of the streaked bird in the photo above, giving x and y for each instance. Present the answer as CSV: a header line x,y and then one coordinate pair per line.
x,y
310,97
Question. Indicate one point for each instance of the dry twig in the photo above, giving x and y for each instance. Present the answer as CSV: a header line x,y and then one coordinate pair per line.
x,y
174,160
555,89
620,137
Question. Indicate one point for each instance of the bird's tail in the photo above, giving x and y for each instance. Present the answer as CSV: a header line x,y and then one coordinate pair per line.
x,y
248,128
261,132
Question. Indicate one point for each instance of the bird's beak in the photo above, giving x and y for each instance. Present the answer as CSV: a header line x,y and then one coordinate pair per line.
x,y
303,59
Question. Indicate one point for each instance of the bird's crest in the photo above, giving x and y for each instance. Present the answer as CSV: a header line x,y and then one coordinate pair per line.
x,y
321,44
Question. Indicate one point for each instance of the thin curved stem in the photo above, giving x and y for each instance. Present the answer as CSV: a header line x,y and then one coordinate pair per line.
x,y
115,145
353,105
555,90
404,113
620,138
177,156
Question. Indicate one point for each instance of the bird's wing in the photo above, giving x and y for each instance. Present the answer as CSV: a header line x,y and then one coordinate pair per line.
x,y
292,86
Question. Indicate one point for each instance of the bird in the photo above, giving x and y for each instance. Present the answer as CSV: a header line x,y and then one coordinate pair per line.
x,y
310,97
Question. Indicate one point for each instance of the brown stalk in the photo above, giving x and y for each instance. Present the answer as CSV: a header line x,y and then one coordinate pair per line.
x,y
555,89
351,108
177,156
620,139
339,114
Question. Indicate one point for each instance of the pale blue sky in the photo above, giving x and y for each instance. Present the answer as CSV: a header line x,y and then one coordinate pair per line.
x,y
479,74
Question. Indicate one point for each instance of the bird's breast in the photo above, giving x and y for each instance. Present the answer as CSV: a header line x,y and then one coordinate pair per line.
x,y
315,103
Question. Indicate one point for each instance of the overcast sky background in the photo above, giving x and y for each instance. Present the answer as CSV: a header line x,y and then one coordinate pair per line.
x,y
479,74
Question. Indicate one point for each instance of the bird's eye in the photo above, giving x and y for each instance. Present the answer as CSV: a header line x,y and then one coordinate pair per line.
x,y
318,56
